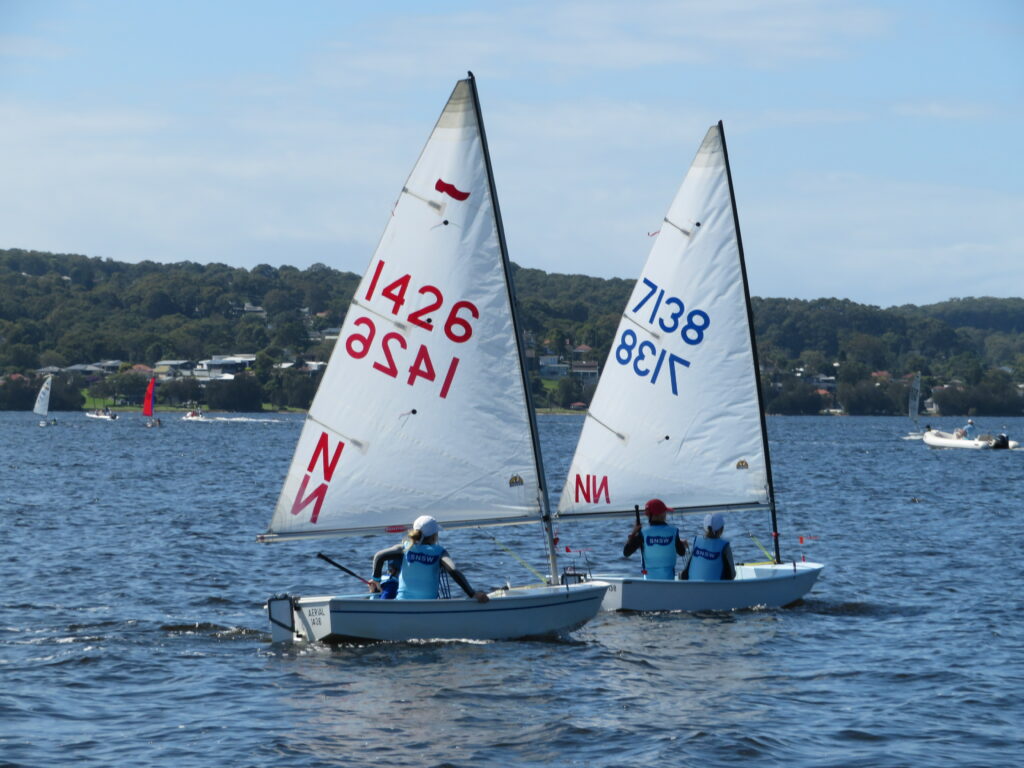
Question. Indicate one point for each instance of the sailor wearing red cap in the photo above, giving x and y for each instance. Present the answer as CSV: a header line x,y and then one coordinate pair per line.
x,y
659,541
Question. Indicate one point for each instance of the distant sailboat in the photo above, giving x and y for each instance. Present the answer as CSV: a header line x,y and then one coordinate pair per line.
x,y
42,407
424,408
914,408
147,404
678,413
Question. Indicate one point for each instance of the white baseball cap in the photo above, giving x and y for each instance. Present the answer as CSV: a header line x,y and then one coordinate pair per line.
x,y
714,522
426,525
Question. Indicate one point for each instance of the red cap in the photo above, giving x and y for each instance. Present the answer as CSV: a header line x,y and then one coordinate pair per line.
x,y
656,507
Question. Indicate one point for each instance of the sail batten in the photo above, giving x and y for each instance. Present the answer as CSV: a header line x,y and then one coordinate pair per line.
x,y
427,370
680,372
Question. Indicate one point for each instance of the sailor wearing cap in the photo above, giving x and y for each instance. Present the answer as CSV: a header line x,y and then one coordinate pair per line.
x,y
420,560
659,541
711,555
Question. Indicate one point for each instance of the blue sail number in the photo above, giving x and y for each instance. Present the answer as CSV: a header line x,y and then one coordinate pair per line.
x,y
644,357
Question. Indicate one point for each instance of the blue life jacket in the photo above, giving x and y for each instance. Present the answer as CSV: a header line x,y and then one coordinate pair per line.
x,y
388,588
421,571
706,562
660,550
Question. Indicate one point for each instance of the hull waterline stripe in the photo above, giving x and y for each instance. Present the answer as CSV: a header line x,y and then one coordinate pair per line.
x,y
469,608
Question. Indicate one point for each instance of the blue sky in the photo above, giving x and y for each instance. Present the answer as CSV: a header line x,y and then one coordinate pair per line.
x,y
875,146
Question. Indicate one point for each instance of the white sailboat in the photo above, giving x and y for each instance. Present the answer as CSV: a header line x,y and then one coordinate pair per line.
x,y
42,406
678,413
914,408
423,409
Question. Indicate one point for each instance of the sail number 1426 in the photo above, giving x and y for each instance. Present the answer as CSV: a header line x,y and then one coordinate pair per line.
x,y
393,346
668,314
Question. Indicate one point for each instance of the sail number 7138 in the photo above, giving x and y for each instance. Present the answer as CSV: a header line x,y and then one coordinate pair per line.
x,y
666,313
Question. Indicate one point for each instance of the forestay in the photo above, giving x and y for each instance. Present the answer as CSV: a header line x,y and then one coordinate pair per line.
x,y
677,413
422,407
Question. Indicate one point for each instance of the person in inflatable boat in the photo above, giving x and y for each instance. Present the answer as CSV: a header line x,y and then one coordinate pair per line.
x,y
711,555
420,560
659,541
966,432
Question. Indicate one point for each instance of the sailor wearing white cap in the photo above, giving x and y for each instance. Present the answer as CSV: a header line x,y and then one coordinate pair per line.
x,y
420,560
710,555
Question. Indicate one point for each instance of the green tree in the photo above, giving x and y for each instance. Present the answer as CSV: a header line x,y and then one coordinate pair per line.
x,y
568,391
243,393
181,391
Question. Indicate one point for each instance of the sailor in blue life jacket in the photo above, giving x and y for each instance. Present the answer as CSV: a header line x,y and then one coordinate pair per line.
x,y
420,560
389,584
659,540
710,556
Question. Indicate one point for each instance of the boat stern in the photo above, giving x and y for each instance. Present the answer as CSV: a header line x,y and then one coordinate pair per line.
x,y
281,612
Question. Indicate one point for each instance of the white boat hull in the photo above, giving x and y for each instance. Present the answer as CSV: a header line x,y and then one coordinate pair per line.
x,y
764,584
101,416
938,439
508,615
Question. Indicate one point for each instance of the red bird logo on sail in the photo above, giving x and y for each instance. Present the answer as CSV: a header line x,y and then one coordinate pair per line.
x,y
450,189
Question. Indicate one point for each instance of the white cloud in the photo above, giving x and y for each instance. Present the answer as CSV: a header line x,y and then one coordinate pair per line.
x,y
569,39
881,241
594,112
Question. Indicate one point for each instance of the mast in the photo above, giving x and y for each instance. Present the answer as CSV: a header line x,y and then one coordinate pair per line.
x,y
753,348
539,462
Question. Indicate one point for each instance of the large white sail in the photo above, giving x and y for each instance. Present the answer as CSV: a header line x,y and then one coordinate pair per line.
x,y
677,413
422,408
914,398
42,406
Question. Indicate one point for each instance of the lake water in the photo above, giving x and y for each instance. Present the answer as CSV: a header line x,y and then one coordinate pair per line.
x,y
132,632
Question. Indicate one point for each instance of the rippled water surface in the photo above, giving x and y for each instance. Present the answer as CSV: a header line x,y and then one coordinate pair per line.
x,y
132,632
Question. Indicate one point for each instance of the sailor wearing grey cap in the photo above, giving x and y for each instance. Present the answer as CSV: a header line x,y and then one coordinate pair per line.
x,y
710,556
420,559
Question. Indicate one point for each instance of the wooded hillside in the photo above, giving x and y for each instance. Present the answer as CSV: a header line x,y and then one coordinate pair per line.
x,y
62,309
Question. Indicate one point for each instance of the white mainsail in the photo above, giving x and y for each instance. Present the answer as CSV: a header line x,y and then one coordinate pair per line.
x,y
677,413
914,400
42,407
422,408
